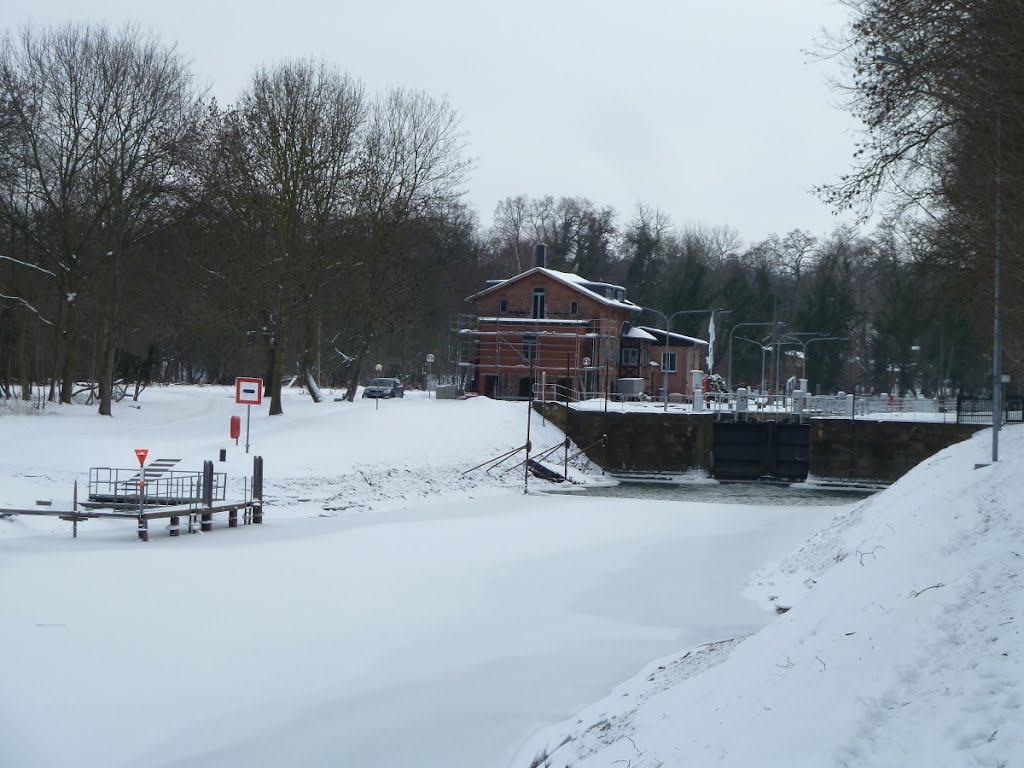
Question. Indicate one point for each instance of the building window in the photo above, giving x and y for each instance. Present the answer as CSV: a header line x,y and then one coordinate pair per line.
x,y
503,306
630,356
530,347
668,362
538,303
574,308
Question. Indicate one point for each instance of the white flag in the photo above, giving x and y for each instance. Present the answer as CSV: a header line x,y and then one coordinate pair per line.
x,y
711,343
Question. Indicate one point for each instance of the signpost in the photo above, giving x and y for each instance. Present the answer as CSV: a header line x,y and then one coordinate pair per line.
x,y
248,392
430,366
378,368
141,454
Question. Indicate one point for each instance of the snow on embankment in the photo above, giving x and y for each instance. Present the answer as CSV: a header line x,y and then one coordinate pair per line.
x,y
903,645
319,459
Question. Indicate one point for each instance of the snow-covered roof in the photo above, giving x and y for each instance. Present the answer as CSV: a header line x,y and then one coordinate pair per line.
x,y
677,337
574,281
636,333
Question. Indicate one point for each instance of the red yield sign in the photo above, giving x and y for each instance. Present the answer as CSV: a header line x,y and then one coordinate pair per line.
x,y
141,454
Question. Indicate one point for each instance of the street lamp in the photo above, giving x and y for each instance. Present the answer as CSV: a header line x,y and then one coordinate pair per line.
x,y
997,368
997,350
741,325
668,325
803,370
766,349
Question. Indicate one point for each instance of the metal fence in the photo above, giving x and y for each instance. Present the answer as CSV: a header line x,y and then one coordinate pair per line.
x,y
978,410
762,406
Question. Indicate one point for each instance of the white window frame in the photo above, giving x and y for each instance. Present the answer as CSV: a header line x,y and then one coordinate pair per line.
x,y
635,357
665,357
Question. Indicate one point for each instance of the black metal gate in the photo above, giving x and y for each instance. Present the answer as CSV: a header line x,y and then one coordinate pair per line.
x,y
763,450
978,410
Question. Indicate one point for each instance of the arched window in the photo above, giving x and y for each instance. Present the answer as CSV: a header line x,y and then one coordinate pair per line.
x,y
538,303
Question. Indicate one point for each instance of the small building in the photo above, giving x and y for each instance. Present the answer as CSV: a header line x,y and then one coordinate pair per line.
x,y
681,355
575,336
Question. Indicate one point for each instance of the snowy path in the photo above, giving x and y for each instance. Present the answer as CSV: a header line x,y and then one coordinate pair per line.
x,y
443,635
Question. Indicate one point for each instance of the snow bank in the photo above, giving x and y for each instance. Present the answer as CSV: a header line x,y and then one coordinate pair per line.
x,y
901,646
320,459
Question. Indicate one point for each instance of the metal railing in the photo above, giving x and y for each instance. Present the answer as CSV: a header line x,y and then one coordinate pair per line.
x,y
755,406
120,486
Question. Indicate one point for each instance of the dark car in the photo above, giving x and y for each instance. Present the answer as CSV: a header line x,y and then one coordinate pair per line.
x,y
384,388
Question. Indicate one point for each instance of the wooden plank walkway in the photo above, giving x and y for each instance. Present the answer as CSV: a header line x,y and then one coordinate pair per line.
x,y
201,516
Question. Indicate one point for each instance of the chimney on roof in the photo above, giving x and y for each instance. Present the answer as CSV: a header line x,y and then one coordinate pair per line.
x,y
540,253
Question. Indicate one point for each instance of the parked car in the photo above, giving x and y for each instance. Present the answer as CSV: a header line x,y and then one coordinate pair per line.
x,y
384,388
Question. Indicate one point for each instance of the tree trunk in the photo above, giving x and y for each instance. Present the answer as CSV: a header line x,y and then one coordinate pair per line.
x,y
23,367
276,375
357,368
275,366
105,377
308,374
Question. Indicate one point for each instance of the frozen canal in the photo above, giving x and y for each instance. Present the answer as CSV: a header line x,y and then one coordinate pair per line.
x,y
443,635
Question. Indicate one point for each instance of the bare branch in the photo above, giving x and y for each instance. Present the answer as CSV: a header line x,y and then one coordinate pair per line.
x,y
28,265
933,586
27,306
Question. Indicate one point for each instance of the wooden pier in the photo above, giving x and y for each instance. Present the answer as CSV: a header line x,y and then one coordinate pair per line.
x,y
198,514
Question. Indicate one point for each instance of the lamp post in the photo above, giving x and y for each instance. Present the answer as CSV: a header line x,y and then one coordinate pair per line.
x,y
731,332
997,351
803,369
668,325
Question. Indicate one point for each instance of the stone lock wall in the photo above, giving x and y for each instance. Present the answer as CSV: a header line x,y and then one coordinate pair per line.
x,y
840,449
637,442
877,451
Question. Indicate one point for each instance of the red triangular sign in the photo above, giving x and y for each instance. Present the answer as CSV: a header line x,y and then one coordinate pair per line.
x,y
141,454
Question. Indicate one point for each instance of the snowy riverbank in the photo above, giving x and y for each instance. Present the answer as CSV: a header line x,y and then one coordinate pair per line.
x,y
395,612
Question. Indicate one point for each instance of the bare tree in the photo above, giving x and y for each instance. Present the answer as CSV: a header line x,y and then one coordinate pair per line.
x,y
50,87
413,166
285,166
508,232
99,121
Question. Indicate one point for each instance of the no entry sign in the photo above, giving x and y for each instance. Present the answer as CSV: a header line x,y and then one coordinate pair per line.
x,y
249,391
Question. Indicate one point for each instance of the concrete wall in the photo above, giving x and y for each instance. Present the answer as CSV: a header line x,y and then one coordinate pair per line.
x,y
877,451
637,442
840,449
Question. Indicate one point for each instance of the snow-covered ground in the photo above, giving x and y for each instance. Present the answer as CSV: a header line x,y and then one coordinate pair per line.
x,y
392,611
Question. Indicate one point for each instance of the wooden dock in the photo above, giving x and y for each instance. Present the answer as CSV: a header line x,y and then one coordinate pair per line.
x,y
198,514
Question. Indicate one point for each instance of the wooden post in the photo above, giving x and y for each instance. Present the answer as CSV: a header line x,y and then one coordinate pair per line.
x,y
257,489
233,518
174,526
206,523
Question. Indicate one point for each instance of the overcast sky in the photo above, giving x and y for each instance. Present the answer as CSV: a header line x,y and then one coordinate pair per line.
x,y
711,110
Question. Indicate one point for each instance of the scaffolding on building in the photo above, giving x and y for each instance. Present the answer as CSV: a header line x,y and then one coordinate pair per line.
x,y
491,353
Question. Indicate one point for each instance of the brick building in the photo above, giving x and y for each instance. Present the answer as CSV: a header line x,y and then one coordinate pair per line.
x,y
578,337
